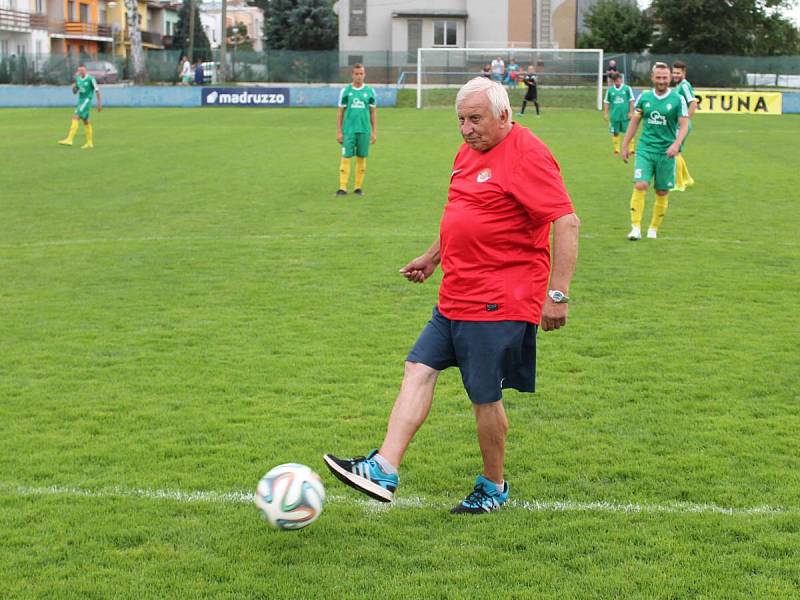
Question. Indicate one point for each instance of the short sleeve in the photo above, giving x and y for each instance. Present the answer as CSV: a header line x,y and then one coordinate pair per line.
x,y
342,103
373,101
94,84
605,100
538,186
684,111
688,93
638,106
631,97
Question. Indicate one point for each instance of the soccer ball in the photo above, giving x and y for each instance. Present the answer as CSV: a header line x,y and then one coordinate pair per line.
x,y
290,496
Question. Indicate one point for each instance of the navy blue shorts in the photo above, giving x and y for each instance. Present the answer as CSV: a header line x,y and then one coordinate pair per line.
x,y
491,355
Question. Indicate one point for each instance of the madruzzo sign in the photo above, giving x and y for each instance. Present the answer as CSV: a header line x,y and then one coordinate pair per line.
x,y
266,97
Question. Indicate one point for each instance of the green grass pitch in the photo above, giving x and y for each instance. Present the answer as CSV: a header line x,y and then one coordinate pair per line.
x,y
188,305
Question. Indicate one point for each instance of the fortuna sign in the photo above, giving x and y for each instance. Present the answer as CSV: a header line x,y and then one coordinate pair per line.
x,y
726,102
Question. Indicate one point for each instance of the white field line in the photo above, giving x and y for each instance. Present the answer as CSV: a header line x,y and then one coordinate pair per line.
x,y
333,235
234,497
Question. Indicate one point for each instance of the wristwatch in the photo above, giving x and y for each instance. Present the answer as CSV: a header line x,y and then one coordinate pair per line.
x,y
558,297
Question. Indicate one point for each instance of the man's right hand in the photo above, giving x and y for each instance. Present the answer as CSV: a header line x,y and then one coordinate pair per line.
x,y
419,269
625,154
339,137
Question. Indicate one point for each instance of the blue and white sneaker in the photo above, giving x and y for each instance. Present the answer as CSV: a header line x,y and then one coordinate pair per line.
x,y
364,474
484,498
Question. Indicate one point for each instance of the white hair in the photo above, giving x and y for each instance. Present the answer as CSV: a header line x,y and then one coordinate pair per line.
x,y
496,93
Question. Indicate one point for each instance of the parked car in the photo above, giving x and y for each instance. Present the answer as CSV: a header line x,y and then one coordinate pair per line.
x,y
103,71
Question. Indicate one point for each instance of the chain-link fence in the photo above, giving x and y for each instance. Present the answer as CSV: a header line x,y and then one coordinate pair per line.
x,y
288,66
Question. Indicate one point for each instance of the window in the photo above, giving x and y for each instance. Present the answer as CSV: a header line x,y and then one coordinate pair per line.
x,y
414,39
39,48
169,27
40,7
101,15
4,47
444,33
71,10
84,8
358,17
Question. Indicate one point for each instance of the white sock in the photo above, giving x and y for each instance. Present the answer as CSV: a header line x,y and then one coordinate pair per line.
x,y
384,464
500,486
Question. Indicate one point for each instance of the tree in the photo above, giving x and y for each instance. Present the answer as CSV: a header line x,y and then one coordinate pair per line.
x,y
776,36
300,24
748,27
135,36
617,25
239,39
180,41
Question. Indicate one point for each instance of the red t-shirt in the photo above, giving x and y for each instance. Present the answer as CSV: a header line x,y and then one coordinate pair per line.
x,y
495,230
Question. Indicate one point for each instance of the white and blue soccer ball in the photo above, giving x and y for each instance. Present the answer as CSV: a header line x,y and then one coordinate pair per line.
x,y
290,496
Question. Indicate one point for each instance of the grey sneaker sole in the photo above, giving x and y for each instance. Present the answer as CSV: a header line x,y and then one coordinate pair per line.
x,y
363,485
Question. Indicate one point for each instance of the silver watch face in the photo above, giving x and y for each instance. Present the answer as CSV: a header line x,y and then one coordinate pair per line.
x,y
556,296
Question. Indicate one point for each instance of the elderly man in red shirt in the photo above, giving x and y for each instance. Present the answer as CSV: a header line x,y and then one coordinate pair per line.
x,y
506,195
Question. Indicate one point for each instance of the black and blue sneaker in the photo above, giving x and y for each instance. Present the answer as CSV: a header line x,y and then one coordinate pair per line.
x,y
484,498
364,474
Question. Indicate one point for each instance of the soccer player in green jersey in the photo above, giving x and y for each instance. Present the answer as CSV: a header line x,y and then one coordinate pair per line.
x,y
618,109
666,123
356,129
86,87
682,177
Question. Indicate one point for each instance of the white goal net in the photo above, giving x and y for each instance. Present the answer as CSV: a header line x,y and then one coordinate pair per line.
x,y
571,78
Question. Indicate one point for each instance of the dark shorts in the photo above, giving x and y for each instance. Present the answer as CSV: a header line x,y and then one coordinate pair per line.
x,y
491,355
530,97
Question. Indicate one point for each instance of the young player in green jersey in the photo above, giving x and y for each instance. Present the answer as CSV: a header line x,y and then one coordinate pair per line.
x,y
355,129
618,110
666,123
683,179
86,87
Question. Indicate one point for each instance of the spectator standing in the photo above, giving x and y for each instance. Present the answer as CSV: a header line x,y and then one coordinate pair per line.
x,y
498,69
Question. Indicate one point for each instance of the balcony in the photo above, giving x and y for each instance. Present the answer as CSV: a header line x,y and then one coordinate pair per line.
x,y
14,20
152,38
39,22
80,30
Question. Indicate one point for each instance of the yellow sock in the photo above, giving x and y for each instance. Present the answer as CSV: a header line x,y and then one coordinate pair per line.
x,y
687,178
89,134
361,169
615,140
632,146
680,185
659,210
637,207
73,129
344,173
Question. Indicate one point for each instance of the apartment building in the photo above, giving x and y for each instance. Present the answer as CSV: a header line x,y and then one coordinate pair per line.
x,y
403,26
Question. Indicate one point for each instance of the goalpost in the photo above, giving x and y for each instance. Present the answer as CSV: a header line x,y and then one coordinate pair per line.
x,y
575,73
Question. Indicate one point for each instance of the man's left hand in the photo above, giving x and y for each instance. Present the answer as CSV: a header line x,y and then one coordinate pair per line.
x,y
372,138
554,315
674,150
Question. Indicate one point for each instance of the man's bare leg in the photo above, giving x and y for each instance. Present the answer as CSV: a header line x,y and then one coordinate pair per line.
x,y
492,427
410,410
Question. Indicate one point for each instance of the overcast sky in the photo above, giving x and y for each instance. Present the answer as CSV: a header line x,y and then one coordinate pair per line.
x,y
792,13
